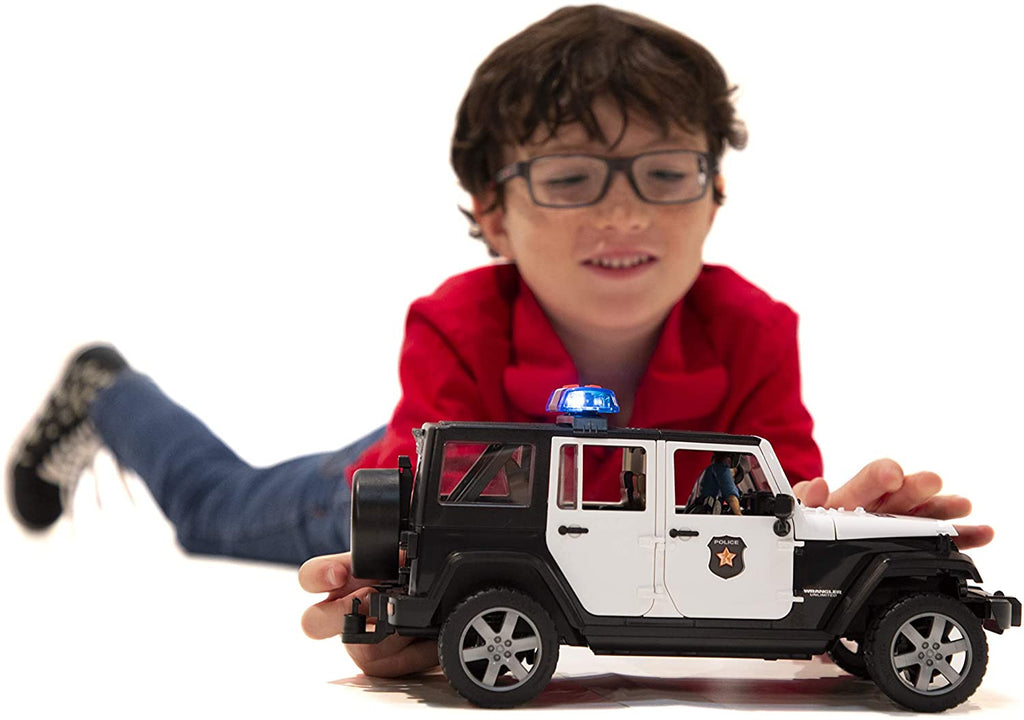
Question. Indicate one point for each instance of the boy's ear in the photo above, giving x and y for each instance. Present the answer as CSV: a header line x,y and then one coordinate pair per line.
x,y
492,224
719,184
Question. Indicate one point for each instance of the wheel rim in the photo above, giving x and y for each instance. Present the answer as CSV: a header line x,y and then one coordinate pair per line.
x,y
931,654
500,649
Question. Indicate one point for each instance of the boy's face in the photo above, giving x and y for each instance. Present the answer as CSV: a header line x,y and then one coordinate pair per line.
x,y
619,265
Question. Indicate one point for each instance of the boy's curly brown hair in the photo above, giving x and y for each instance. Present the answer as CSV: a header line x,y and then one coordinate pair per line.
x,y
551,73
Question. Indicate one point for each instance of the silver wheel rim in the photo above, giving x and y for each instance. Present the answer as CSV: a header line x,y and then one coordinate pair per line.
x,y
931,654
500,649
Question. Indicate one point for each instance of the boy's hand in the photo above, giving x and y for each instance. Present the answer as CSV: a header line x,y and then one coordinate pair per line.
x,y
331,574
882,487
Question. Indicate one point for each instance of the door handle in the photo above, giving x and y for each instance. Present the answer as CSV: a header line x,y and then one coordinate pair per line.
x,y
682,533
572,530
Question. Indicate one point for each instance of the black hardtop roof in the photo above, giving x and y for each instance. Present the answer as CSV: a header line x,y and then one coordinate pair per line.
x,y
555,430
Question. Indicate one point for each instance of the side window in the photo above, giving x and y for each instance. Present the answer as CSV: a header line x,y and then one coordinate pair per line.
x,y
614,477
705,480
488,474
567,477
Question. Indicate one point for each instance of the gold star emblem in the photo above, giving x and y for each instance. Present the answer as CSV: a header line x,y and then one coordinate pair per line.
x,y
725,558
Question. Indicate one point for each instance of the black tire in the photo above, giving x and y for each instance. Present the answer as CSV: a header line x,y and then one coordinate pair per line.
x,y
927,652
516,659
848,655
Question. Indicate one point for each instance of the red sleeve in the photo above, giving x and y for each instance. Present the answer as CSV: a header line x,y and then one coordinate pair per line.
x,y
773,407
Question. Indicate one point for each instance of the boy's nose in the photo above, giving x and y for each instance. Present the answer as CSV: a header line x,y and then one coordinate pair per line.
x,y
621,208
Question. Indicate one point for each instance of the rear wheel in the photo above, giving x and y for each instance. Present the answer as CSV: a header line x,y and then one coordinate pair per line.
x,y
498,648
927,652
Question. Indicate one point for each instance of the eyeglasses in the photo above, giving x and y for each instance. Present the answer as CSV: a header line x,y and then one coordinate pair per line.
x,y
667,177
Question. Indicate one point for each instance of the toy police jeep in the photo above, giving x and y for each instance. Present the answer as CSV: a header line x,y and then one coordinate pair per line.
x,y
520,537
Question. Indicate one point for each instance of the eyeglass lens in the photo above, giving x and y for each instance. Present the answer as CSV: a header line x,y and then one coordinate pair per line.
x,y
660,177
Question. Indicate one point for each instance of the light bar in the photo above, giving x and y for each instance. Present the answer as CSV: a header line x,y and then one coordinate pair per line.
x,y
583,400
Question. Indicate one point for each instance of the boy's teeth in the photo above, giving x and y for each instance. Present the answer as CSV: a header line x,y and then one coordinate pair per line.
x,y
620,263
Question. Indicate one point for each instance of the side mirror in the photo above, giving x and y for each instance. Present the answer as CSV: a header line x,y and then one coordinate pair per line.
x,y
783,512
783,507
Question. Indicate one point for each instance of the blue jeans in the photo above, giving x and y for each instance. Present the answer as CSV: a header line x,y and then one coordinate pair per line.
x,y
218,503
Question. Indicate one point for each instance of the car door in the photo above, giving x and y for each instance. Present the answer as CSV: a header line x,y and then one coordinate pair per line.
x,y
722,565
601,522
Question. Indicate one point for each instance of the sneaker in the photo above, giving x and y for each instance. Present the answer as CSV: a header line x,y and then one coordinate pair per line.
x,y
61,441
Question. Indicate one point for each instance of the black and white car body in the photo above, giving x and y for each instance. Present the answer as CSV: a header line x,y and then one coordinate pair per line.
x,y
512,545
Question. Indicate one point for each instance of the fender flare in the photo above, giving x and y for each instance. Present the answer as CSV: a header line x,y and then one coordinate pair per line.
x,y
892,565
465,572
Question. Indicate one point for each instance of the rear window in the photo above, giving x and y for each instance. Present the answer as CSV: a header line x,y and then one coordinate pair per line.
x,y
486,474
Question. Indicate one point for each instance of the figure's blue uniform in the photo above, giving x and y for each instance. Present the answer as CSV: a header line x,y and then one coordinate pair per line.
x,y
716,481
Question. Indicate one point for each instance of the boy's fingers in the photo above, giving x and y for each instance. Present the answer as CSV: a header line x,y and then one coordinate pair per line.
x,y
324,573
972,536
812,493
326,618
330,574
869,487
943,507
916,490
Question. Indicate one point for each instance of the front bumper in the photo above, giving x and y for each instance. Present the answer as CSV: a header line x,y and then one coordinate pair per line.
x,y
1000,611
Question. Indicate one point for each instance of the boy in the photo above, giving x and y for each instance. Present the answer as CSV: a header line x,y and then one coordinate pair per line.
x,y
608,285
590,143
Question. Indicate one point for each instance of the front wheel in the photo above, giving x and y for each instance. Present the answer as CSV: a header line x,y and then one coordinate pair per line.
x,y
848,655
927,652
498,648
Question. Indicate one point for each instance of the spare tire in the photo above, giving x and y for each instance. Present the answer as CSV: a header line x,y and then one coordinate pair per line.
x,y
376,516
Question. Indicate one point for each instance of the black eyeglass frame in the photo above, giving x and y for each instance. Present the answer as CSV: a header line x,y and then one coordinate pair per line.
x,y
614,164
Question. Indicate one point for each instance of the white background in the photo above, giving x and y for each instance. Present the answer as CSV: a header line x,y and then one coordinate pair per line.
x,y
244,197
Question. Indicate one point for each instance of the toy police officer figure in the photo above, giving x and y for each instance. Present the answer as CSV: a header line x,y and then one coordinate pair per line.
x,y
718,481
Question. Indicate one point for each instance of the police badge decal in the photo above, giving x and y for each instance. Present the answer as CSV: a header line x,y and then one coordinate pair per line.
x,y
726,559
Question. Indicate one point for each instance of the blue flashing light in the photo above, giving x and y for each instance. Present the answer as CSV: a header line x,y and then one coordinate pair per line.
x,y
583,401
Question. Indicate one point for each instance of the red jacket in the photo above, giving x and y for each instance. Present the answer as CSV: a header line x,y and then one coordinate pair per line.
x,y
481,348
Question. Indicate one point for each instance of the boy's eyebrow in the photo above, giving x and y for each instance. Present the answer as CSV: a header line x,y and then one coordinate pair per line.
x,y
595,147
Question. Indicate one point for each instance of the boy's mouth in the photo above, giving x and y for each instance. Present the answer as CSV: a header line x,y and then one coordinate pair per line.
x,y
626,262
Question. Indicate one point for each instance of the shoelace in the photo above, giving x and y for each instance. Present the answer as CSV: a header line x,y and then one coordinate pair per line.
x,y
68,491
71,458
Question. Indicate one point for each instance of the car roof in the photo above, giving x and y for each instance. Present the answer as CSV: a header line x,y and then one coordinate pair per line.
x,y
558,430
